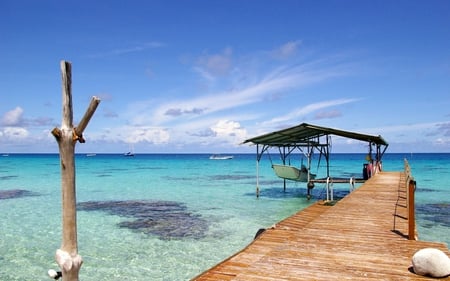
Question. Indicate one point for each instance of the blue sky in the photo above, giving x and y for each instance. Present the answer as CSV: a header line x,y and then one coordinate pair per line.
x,y
203,76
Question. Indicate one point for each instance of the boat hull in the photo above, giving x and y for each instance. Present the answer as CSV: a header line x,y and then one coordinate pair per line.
x,y
292,173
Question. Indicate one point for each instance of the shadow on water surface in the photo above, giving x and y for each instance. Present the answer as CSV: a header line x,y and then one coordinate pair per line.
x,y
165,219
296,192
230,177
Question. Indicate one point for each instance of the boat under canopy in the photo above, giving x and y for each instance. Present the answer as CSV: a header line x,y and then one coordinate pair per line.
x,y
292,173
308,138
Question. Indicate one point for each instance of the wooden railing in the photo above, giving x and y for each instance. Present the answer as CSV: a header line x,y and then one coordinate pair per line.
x,y
410,191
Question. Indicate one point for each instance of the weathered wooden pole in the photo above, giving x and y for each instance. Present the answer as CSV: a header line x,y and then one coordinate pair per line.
x,y
67,256
411,209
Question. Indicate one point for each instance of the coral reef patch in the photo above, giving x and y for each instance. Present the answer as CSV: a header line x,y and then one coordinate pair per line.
x,y
165,219
15,193
434,213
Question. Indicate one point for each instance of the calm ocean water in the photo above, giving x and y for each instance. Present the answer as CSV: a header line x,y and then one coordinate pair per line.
x,y
168,216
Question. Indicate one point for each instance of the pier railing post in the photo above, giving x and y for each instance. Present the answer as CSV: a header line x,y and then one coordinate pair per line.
x,y
410,192
411,210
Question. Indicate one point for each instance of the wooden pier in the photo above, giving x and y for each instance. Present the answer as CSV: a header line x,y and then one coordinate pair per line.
x,y
368,235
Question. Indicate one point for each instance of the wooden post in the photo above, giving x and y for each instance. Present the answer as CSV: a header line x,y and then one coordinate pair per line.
x,y
67,256
411,209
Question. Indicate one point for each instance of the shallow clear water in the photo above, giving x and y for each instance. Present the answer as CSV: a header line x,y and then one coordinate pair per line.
x,y
202,211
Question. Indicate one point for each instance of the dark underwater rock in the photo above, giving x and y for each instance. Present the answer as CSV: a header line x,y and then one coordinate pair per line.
x,y
166,219
7,177
15,193
436,213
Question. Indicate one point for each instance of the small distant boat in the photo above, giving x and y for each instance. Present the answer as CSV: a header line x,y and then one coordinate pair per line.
x,y
130,153
5,155
91,155
220,157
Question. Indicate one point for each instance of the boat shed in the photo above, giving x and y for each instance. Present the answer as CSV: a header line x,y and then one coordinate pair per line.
x,y
307,138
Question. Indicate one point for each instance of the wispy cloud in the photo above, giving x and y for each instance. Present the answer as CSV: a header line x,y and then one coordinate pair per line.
x,y
276,81
108,113
444,128
433,133
179,112
406,127
327,114
295,114
287,50
132,134
236,83
215,65
128,50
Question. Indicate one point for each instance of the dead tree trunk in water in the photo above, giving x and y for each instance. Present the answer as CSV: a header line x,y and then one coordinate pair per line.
x,y
67,256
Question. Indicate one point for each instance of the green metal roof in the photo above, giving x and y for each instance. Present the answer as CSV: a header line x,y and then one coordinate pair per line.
x,y
304,134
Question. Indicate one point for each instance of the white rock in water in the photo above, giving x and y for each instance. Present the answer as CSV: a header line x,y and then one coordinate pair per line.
x,y
431,262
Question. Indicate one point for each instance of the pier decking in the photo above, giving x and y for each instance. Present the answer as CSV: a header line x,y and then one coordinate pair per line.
x,y
363,237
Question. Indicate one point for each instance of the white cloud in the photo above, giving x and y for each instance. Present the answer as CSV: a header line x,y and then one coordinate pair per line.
x,y
15,133
12,117
230,131
442,142
225,127
131,135
147,134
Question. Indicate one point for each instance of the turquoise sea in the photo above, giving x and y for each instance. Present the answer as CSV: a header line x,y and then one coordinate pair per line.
x,y
171,216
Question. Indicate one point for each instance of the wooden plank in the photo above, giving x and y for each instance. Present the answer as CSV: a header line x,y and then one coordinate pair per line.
x,y
362,237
